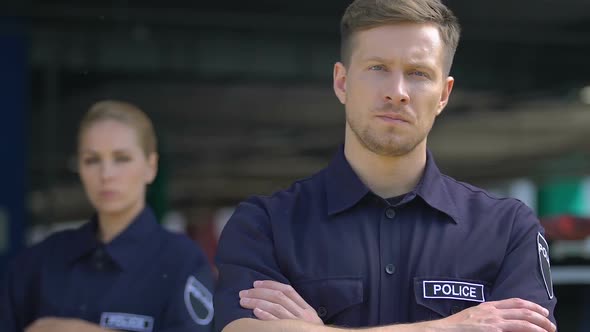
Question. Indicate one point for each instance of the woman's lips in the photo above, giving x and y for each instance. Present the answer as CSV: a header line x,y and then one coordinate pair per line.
x,y
107,194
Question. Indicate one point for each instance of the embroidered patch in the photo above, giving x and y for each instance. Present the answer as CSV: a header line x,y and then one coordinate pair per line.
x,y
543,249
198,301
128,322
455,290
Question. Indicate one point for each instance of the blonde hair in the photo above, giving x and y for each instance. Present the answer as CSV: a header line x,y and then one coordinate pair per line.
x,y
125,113
367,14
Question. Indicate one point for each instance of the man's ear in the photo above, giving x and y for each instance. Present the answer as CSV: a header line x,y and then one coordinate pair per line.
x,y
444,96
340,81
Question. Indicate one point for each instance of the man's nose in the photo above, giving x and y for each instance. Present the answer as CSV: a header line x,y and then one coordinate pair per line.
x,y
396,91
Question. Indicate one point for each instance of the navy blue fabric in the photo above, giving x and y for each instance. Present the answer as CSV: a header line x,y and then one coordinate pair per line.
x,y
360,261
143,271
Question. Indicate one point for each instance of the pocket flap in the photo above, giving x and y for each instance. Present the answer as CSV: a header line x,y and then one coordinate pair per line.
x,y
331,296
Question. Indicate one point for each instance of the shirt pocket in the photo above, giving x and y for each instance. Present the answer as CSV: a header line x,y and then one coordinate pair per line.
x,y
441,297
336,300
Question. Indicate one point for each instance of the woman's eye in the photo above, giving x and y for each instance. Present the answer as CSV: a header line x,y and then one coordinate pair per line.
x,y
90,161
122,159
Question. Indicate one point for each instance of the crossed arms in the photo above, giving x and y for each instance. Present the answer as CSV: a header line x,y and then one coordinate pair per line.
x,y
279,307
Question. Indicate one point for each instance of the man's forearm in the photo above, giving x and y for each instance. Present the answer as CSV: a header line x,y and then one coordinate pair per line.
x,y
283,325
287,325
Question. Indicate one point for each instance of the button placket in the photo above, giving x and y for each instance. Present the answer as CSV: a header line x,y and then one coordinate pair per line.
x,y
99,259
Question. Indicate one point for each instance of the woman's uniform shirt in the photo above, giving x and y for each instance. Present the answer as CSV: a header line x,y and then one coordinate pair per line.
x,y
146,279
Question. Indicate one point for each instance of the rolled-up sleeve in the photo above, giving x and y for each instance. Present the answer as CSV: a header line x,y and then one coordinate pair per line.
x,y
245,254
522,272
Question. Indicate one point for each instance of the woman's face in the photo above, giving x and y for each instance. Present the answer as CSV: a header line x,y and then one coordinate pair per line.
x,y
114,168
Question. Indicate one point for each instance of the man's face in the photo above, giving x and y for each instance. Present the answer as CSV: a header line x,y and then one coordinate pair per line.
x,y
394,87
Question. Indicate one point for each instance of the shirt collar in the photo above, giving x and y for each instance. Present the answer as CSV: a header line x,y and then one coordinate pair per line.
x,y
126,248
344,188
83,241
131,245
434,190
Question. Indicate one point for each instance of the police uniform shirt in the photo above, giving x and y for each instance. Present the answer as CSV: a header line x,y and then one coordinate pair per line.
x,y
360,260
146,279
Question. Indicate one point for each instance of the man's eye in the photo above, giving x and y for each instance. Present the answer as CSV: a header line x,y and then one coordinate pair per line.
x,y
419,73
377,68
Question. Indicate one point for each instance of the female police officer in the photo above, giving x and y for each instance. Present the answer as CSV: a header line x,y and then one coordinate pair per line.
x,y
121,270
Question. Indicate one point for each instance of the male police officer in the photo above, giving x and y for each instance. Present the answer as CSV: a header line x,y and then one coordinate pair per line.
x,y
380,237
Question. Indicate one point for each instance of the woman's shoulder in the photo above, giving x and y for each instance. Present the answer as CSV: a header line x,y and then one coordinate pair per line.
x,y
178,241
34,256
180,245
55,239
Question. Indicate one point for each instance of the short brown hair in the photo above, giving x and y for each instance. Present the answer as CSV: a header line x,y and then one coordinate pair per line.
x,y
367,14
125,113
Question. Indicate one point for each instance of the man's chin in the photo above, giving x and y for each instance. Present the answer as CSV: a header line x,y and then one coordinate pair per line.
x,y
390,149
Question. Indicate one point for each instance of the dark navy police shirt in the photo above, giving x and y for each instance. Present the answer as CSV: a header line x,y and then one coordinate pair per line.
x,y
362,261
146,279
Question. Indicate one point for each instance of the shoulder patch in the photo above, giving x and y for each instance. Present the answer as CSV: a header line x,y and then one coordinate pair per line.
x,y
544,264
198,301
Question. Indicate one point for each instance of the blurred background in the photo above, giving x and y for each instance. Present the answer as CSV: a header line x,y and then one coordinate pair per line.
x,y
241,96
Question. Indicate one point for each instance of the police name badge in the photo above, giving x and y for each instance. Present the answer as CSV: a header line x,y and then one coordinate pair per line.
x,y
127,322
454,290
198,301
544,265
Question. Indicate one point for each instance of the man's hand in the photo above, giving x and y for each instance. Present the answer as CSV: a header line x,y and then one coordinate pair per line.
x,y
271,300
505,315
52,324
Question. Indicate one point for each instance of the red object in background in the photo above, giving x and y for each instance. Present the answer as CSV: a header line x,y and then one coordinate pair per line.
x,y
566,227
205,226
203,233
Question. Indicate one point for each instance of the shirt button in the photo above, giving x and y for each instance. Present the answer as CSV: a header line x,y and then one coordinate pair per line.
x,y
390,213
322,312
390,269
